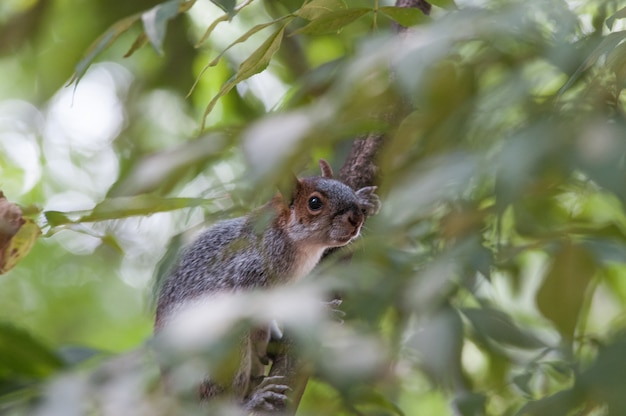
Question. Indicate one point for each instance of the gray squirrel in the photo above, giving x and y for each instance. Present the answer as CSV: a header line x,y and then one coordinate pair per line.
x,y
235,255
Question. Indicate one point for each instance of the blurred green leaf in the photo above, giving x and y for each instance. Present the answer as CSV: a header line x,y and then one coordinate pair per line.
x,y
562,293
444,4
405,16
558,404
522,382
24,357
163,170
317,8
100,44
608,43
620,14
376,400
75,355
122,207
438,343
604,380
470,404
499,326
332,22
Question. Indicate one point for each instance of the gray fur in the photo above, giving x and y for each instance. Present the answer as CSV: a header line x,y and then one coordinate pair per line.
x,y
258,251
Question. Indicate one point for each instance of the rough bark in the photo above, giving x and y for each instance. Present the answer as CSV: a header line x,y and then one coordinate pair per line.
x,y
358,170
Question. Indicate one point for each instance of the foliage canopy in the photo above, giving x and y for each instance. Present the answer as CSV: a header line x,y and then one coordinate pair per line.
x,y
491,283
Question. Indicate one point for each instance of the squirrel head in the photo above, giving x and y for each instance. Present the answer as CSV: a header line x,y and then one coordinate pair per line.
x,y
326,212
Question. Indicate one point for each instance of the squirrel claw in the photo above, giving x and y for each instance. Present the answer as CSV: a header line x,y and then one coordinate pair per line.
x,y
336,313
268,396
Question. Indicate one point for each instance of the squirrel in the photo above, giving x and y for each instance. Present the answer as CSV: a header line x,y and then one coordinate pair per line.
x,y
235,255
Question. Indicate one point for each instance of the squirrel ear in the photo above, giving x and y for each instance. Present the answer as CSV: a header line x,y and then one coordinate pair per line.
x,y
368,200
327,171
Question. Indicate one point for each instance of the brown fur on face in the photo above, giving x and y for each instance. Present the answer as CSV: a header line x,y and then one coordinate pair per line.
x,y
323,212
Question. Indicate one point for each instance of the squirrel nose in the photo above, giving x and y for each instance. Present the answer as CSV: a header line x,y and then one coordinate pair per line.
x,y
354,218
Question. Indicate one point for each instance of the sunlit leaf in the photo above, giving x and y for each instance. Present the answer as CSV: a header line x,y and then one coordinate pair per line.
x,y
155,22
19,245
247,35
332,22
260,59
406,16
561,295
255,63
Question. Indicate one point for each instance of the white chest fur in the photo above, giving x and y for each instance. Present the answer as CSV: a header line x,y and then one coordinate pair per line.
x,y
308,256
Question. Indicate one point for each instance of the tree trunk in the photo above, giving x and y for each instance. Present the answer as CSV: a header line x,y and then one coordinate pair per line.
x,y
358,170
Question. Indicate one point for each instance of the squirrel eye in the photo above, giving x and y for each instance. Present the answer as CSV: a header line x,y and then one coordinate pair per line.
x,y
315,203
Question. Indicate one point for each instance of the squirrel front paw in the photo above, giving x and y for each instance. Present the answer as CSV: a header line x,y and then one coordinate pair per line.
x,y
268,395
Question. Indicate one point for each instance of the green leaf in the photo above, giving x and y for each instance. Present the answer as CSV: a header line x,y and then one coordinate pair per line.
x,y
470,404
155,22
227,5
260,59
138,43
106,39
332,22
499,326
255,63
558,404
439,343
560,297
377,400
444,4
55,218
19,245
620,14
22,356
76,355
122,207
609,43
210,29
161,171
317,8
522,382
406,16
244,38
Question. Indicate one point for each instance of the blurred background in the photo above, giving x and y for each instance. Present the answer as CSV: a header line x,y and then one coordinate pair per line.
x,y
491,283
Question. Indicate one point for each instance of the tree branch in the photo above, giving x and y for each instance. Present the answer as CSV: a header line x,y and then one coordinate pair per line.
x,y
358,170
